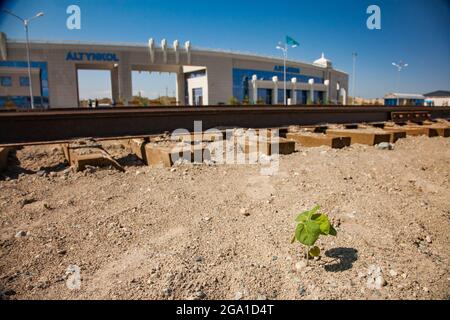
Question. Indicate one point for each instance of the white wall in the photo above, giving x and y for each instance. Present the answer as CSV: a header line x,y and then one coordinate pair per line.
x,y
200,82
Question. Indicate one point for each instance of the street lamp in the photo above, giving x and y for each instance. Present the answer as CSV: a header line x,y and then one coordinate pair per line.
x,y
284,47
354,55
26,23
400,66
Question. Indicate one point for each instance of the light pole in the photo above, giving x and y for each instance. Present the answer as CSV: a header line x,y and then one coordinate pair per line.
x,y
284,47
399,67
354,55
26,23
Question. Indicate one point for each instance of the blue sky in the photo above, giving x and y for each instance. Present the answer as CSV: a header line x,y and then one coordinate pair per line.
x,y
416,31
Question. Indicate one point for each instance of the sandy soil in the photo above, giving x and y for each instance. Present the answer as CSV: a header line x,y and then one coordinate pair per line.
x,y
223,232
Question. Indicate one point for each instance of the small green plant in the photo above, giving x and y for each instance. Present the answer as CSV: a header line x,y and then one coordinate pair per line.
x,y
311,225
233,101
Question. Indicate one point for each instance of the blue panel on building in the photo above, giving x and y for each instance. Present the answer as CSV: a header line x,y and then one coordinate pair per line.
x,y
242,76
24,101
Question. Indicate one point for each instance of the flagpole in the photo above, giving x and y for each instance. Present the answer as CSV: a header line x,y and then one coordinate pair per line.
x,y
285,58
284,48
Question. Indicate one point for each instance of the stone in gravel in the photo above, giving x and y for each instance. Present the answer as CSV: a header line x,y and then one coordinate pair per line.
x,y
385,146
24,202
8,292
274,258
428,239
261,297
47,206
393,273
52,174
198,259
62,252
21,234
376,282
41,173
299,266
200,295
301,290
167,292
244,211
238,295
375,279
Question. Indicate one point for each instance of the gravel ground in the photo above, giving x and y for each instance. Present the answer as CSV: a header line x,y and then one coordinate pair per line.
x,y
223,232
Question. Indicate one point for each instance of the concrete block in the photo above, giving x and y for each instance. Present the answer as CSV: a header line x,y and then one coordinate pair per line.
x,y
440,129
137,147
361,136
4,152
201,136
166,155
268,146
411,130
81,155
396,133
309,140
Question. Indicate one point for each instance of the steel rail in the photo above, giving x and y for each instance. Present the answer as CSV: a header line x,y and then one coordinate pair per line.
x,y
59,125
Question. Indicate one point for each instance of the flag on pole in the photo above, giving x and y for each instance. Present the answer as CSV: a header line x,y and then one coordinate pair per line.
x,y
291,42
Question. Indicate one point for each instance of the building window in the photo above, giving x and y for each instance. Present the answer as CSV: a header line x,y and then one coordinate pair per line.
x,y
24,82
246,89
5,81
264,96
197,96
195,74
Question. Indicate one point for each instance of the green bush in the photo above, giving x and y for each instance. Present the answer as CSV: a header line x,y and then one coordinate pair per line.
x,y
233,101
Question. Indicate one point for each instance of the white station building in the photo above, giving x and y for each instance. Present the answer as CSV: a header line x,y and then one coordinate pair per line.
x,y
203,77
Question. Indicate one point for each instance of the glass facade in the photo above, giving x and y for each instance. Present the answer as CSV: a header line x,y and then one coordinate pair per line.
x,y
302,96
24,101
404,102
390,102
265,96
318,96
241,78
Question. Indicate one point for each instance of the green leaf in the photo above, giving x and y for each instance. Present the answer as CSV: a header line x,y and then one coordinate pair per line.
x,y
323,222
307,232
314,251
299,231
306,215
315,209
333,231
302,217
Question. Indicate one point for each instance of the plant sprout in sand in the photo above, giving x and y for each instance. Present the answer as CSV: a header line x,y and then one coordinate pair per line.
x,y
309,228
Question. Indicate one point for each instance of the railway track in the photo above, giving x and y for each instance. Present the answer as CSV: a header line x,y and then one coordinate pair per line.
x,y
63,125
